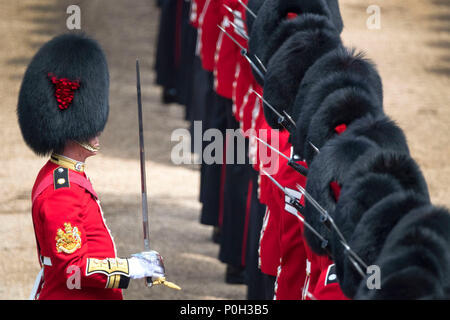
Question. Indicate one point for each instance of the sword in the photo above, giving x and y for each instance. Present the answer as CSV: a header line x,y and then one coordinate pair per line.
x,y
294,202
149,281
291,162
244,53
285,121
239,31
330,224
247,8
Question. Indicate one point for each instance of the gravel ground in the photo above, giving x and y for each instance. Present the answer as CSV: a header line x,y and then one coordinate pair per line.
x,y
412,51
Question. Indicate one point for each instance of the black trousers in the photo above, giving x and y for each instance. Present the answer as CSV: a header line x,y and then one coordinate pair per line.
x,y
236,209
212,180
166,50
269,286
188,43
254,276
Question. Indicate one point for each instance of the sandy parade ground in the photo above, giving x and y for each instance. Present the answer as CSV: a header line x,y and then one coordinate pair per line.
x,y
411,50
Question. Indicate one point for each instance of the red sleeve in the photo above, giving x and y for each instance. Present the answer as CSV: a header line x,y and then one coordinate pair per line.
x,y
241,86
227,54
65,216
209,19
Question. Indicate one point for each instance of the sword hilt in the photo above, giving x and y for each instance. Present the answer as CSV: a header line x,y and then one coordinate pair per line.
x,y
297,167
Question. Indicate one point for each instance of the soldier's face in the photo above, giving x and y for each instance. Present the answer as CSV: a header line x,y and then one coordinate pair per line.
x,y
89,148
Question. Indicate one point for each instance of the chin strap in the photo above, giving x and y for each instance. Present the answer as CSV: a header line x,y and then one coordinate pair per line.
x,y
88,147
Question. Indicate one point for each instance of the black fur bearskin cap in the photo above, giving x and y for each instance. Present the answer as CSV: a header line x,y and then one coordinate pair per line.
x,y
399,165
338,155
382,130
287,67
272,26
254,6
355,199
64,94
375,175
331,165
415,259
338,110
337,69
370,234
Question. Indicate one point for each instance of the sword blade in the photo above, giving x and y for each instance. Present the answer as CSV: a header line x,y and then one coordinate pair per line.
x,y
289,118
239,31
247,8
260,63
244,53
307,225
272,148
233,39
314,147
268,104
142,160
333,225
148,280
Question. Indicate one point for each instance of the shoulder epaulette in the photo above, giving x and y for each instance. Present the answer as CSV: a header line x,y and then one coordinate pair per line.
x,y
61,178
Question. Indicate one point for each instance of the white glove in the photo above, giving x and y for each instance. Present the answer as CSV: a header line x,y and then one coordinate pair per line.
x,y
146,264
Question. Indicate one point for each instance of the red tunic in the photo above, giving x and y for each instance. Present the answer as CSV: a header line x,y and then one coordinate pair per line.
x,y
292,269
270,245
210,18
73,241
227,52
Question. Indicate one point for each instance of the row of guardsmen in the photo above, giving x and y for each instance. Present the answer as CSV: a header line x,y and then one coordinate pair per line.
x,y
347,213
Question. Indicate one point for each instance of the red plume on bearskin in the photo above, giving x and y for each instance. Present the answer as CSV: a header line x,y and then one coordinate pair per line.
x,y
64,90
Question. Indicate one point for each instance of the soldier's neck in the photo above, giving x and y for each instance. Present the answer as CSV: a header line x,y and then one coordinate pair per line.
x,y
75,152
74,155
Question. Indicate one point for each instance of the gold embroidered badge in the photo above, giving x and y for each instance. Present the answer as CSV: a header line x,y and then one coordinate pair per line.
x,y
69,240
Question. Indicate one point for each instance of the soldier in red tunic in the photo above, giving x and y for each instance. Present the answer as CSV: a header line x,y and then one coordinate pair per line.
x,y
63,107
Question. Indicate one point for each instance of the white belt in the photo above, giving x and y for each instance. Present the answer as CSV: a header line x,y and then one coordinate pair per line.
x,y
46,261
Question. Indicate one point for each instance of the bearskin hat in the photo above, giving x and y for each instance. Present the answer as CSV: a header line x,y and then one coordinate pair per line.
x,y
399,165
370,233
338,156
64,94
339,69
415,259
355,199
381,130
274,24
335,114
288,65
254,6
324,175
